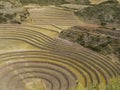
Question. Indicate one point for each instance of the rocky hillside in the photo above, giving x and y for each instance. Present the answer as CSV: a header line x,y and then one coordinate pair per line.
x,y
12,12
104,14
54,2
58,2
100,1
104,41
43,2
79,1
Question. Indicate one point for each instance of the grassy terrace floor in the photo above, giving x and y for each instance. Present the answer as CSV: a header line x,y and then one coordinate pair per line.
x,y
52,15
29,56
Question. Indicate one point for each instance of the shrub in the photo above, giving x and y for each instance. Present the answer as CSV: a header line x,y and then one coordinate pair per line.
x,y
3,20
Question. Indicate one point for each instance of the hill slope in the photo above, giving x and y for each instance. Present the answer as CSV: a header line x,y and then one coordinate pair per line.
x,y
107,13
104,41
12,12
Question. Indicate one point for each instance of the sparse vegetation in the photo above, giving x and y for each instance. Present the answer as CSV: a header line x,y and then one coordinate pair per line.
x,y
43,2
54,2
106,13
12,12
13,18
82,1
3,20
99,42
